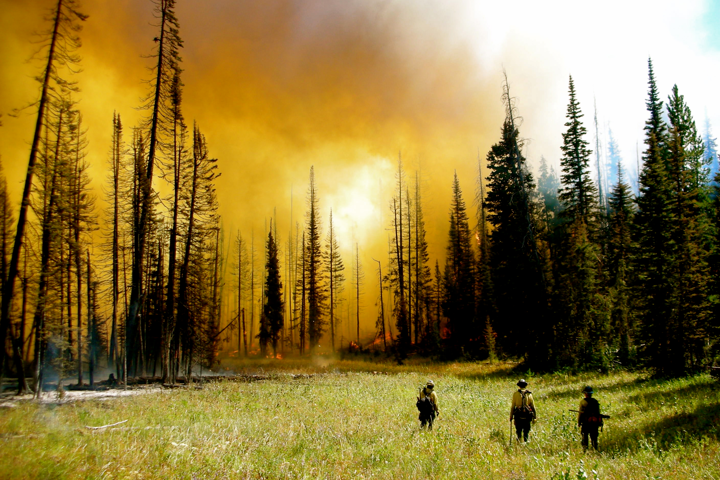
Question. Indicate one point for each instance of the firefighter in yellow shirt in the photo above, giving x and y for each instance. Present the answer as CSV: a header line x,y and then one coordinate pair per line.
x,y
522,411
427,403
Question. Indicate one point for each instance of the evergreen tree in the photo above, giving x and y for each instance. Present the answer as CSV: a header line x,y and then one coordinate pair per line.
x,y
548,186
274,305
514,268
335,276
397,268
655,258
619,251
200,221
6,224
422,278
485,290
175,171
579,302
578,193
688,327
714,265
459,279
315,287
62,43
158,124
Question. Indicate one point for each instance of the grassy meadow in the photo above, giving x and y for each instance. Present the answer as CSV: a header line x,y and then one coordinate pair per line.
x,y
345,419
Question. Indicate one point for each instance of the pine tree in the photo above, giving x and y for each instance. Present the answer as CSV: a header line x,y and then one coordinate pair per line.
x,y
459,279
548,186
514,261
358,276
175,168
688,178
315,288
335,276
380,322
486,293
397,270
242,272
579,298
619,251
157,125
578,193
116,199
274,305
63,41
421,283
79,205
200,219
655,258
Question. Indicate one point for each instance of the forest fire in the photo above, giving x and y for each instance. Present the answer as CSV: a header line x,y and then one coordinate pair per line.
x,y
128,250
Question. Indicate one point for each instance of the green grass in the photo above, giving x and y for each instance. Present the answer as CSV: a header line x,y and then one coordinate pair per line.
x,y
345,421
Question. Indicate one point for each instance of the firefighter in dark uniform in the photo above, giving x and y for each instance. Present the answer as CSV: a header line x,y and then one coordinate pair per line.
x,y
589,418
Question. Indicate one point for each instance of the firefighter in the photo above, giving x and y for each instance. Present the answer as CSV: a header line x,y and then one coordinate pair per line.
x,y
427,403
522,411
590,420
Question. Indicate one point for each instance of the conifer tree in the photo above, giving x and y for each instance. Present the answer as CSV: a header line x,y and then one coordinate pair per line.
x,y
315,288
688,178
485,289
459,279
335,276
578,193
79,205
167,64
380,322
6,224
200,219
655,258
118,183
619,251
274,305
63,42
514,261
421,283
358,275
579,299
397,270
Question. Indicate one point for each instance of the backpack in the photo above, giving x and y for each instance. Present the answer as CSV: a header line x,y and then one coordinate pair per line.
x,y
425,405
524,411
591,415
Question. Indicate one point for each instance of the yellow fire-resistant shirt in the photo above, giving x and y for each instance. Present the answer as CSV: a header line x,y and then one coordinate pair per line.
x,y
433,398
517,402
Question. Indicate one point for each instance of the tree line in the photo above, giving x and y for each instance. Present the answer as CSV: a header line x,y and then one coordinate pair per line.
x,y
565,272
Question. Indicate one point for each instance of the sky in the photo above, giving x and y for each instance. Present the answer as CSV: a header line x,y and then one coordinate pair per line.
x,y
349,86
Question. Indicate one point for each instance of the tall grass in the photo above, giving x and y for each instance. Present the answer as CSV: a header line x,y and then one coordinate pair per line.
x,y
344,421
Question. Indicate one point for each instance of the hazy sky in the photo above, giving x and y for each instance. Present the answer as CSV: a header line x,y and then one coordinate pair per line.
x,y
347,85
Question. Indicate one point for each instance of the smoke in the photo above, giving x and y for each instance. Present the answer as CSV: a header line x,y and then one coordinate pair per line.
x,y
348,86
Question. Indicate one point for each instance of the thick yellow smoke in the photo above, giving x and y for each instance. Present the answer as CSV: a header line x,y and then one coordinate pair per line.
x,y
276,87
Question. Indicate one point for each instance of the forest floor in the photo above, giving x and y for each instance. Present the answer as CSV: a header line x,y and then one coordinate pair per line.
x,y
357,419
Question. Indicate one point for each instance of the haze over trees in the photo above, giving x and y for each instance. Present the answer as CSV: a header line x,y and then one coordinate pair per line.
x,y
551,271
